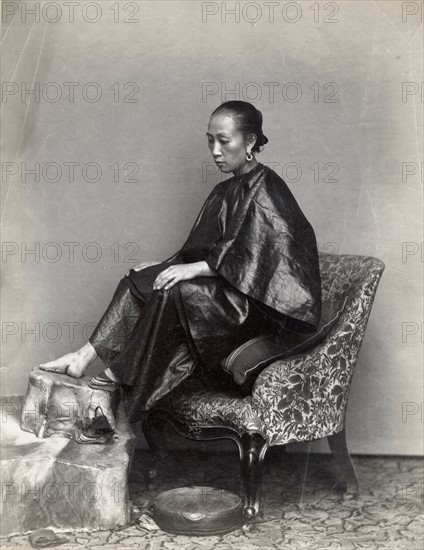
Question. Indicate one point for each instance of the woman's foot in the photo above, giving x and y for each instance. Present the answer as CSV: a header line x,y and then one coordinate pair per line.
x,y
73,364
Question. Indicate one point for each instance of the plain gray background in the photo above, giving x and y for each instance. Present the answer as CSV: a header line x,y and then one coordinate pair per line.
x,y
175,53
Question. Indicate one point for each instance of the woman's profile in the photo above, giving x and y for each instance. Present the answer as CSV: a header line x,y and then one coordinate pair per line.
x,y
249,266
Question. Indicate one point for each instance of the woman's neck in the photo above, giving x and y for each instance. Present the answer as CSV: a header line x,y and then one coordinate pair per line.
x,y
247,167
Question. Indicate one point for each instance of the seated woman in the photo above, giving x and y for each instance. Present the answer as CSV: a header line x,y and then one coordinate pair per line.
x,y
249,266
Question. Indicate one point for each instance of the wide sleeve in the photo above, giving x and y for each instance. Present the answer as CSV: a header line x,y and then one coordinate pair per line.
x,y
271,256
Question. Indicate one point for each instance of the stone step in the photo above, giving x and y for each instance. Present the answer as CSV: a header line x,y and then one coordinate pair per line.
x,y
53,481
55,403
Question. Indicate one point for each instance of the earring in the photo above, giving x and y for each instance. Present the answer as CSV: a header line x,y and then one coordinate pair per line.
x,y
249,156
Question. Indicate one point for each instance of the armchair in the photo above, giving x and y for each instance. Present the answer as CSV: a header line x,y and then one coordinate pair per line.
x,y
298,399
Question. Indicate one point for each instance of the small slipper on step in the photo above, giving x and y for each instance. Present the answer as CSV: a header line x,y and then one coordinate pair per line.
x,y
103,382
94,430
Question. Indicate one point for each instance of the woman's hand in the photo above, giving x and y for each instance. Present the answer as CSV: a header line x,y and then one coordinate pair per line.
x,y
182,272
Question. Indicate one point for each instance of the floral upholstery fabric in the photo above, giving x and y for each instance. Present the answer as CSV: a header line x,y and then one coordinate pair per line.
x,y
304,397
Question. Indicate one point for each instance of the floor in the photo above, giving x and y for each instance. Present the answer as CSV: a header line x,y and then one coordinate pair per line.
x,y
299,511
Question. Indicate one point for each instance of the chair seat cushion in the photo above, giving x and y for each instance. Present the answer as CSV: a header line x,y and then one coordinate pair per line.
x,y
199,408
246,362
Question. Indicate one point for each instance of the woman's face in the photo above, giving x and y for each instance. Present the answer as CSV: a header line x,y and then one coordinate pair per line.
x,y
227,144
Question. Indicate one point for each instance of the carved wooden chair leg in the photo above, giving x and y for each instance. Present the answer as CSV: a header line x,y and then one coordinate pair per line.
x,y
252,453
338,447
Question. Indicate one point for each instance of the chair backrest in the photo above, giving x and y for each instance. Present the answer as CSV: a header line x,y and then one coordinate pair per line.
x,y
356,278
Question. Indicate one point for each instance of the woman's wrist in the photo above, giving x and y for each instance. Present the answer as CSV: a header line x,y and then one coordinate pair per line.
x,y
204,270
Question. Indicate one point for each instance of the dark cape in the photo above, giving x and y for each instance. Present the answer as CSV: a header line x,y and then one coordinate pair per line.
x,y
253,233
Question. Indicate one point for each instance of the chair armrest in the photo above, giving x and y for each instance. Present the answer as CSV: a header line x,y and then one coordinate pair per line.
x,y
273,383
304,397
334,358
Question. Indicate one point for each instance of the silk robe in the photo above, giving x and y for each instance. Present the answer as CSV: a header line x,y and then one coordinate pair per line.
x,y
252,231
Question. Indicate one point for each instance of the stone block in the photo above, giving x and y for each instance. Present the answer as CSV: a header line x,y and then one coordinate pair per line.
x,y
54,403
54,482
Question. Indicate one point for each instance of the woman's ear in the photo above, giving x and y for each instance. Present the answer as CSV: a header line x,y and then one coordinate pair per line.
x,y
251,140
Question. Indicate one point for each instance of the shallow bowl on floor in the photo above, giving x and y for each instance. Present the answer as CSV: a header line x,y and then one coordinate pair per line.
x,y
198,511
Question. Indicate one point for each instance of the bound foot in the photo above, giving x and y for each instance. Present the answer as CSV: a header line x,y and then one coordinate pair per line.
x,y
73,364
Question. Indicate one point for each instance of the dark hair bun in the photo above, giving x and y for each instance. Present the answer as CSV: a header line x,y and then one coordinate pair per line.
x,y
247,118
263,140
